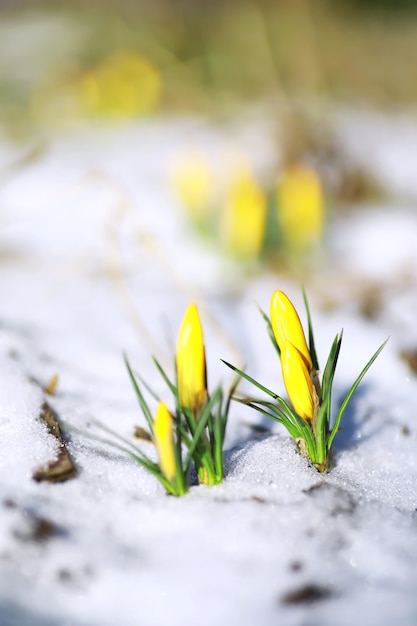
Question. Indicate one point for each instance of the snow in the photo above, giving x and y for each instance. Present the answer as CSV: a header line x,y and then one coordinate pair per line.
x,y
96,259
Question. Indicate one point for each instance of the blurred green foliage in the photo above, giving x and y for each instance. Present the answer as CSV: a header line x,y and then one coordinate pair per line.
x,y
208,55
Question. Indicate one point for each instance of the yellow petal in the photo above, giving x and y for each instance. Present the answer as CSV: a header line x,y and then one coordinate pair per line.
x,y
300,207
287,326
193,182
191,362
244,216
164,440
298,382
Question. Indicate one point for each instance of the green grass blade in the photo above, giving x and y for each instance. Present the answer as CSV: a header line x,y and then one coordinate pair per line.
x,y
137,455
230,394
270,331
321,428
219,432
251,380
311,344
350,394
323,419
201,424
126,443
307,435
282,409
160,369
331,363
277,416
142,402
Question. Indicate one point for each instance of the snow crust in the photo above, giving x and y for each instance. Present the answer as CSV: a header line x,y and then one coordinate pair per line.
x,y
96,259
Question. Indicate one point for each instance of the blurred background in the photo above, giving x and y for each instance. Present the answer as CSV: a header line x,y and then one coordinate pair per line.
x,y
66,66
65,61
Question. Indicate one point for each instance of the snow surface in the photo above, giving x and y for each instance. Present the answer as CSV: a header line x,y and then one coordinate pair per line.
x,y
96,259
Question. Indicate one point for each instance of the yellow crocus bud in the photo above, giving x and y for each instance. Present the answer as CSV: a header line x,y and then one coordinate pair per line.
x,y
287,326
191,362
244,217
164,441
300,208
193,182
297,382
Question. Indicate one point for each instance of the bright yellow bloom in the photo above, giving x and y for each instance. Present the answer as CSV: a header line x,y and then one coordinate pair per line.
x,y
297,382
244,217
191,362
125,84
287,326
295,356
164,441
193,183
300,208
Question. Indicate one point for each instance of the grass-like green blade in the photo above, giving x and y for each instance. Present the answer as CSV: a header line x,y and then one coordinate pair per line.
x,y
142,402
277,416
322,424
270,331
230,394
330,368
200,426
126,443
350,394
160,369
219,431
251,380
311,344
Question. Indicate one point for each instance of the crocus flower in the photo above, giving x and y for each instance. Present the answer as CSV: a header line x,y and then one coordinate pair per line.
x,y
191,362
164,441
244,216
309,419
300,208
125,85
193,183
296,360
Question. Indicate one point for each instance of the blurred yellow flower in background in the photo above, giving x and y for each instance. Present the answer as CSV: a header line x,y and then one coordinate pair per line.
x,y
125,84
193,183
244,216
300,208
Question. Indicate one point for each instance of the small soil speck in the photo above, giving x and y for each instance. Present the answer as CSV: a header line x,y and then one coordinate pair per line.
x,y
371,304
307,594
258,499
37,529
410,357
64,575
8,503
295,566
43,529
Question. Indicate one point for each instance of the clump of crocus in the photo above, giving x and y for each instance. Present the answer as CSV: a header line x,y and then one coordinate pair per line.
x,y
200,413
195,431
171,469
307,415
300,210
231,209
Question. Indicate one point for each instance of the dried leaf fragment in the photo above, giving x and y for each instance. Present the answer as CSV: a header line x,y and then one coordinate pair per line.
x,y
61,468
142,433
50,387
